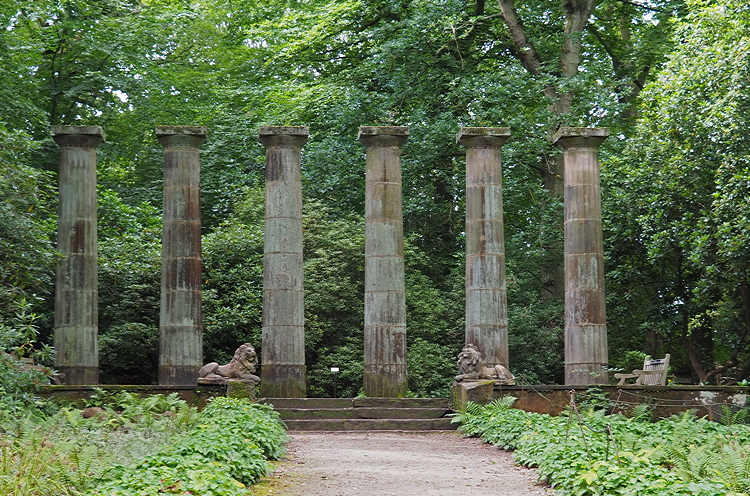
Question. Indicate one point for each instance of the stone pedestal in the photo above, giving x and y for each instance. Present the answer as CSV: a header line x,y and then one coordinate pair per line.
x,y
76,290
180,317
586,356
385,303
480,392
486,299
283,347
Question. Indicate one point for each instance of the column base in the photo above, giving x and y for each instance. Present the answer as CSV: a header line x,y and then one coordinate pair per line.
x,y
79,376
583,374
385,381
178,375
283,381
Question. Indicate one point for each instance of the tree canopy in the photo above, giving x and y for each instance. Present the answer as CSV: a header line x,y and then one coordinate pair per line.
x,y
669,77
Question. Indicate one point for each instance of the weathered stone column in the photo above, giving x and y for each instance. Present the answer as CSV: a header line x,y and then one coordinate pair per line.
x,y
486,299
180,316
385,301
283,347
76,291
585,316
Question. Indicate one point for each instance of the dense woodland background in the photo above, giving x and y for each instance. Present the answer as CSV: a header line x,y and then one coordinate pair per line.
x,y
671,78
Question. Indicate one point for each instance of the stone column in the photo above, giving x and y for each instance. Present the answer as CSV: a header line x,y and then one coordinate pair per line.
x,y
385,302
180,316
585,316
283,347
76,291
486,299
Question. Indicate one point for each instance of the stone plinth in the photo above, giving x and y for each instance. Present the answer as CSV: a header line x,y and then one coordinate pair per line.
x,y
76,290
480,392
385,303
486,299
586,355
180,317
283,347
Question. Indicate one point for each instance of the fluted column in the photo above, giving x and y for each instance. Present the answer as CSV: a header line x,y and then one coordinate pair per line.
x,y
385,301
586,356
180,316
486,299
76,291
283,348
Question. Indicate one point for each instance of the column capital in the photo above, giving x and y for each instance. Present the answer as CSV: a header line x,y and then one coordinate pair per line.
x,y
383,136
181,136
288,136
588,137
472,137
78,136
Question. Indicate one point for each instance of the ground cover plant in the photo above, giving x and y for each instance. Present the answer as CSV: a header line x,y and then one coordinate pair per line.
x,y
591,453
140,446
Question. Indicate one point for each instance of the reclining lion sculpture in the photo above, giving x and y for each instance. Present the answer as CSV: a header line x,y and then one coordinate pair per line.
x,y
471,366
240,368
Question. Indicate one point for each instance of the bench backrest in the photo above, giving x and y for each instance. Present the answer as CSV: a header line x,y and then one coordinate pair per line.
x,y
660,364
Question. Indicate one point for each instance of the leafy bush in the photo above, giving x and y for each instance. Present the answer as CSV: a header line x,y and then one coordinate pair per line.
x,y
224,452
132,445
18,385
597,454
27,225
431,368
73,451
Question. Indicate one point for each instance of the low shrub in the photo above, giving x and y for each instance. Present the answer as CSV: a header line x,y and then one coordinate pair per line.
x,y
225,452
19,385
124,444
596,454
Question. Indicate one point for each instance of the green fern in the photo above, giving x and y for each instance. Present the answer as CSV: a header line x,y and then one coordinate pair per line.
x,y
642,412
729,417
735,468
81,471
503,403
693,463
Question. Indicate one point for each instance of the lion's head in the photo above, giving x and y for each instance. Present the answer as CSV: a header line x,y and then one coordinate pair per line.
x,y
246,357
469,360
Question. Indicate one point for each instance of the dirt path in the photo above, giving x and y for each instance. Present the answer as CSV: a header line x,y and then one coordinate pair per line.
x,y
403,464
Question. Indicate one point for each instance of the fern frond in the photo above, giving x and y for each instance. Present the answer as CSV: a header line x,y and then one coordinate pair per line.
x,y
641,412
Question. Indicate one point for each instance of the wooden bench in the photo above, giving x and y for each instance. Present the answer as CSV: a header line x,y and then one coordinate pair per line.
x,y
654,373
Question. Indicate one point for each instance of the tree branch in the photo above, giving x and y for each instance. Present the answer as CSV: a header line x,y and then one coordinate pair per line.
x,y
525,50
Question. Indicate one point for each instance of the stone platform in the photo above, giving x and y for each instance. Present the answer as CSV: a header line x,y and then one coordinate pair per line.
x,y
363,414
708,401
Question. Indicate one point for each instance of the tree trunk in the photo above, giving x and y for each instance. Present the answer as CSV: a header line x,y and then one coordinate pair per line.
x,y
576,16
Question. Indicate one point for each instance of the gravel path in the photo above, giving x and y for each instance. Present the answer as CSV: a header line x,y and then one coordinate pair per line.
x,y
396,463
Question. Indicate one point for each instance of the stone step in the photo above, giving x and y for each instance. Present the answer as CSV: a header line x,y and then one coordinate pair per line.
x,y
441,424
281,403
361,413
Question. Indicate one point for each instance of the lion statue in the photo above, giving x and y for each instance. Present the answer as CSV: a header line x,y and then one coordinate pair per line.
x,y
240,368
471,366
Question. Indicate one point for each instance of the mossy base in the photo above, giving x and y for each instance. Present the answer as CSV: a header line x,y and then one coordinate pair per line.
x,y
241,390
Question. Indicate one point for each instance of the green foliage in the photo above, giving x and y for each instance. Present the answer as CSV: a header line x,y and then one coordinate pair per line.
x,y
129,281
27,226
678,213
69,454
431,368
18,386
155,444
598,454
233,288
674,188
226,451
